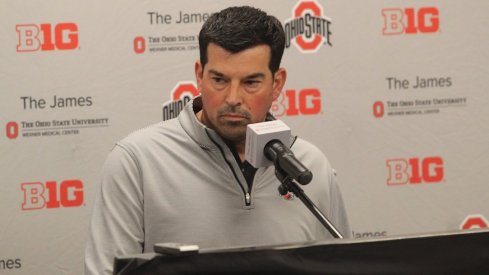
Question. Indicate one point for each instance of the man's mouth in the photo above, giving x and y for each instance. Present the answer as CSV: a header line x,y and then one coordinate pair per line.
x,y
233,117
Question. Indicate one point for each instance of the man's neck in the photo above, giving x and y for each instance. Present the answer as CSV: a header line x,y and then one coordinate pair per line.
x,y
239,146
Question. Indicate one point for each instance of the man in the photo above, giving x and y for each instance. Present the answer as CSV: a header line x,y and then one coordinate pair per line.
x,y
185,180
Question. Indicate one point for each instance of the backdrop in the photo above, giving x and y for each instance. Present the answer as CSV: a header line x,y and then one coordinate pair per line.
x,y
393,92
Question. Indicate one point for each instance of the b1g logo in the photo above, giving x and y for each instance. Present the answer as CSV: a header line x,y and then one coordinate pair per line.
x,y
415,170
47,37
410,20
12,130
301,102
38,195
308,28
474,221
182,93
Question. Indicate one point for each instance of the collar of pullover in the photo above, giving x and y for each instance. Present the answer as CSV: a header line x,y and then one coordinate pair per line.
x,y
200,133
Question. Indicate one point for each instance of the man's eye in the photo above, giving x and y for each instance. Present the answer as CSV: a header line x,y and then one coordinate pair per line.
x,y
252,83
218,80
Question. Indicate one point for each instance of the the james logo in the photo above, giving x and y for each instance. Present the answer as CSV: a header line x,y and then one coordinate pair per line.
x,y
415,170
308,28
182,93
47,37
410,21
38,195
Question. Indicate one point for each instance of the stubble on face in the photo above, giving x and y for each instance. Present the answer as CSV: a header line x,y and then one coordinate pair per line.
x,y
232,130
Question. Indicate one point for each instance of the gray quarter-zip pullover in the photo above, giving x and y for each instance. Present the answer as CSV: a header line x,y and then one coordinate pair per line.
x,y
177,181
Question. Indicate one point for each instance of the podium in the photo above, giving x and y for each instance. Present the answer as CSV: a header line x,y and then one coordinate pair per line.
x,y
464,252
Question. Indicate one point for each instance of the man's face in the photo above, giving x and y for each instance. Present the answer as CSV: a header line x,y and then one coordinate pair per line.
x,y
237,89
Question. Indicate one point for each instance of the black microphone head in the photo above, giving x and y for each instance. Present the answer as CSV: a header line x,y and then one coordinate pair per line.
x,y
305,177
294,167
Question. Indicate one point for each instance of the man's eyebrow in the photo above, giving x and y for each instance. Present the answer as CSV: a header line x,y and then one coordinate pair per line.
x,y
255,75
214,72
251,76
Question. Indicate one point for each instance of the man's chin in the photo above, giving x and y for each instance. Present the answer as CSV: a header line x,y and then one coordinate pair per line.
x,y
234,134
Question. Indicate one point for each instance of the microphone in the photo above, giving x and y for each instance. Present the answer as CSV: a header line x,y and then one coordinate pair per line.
x,y
283,158
268,143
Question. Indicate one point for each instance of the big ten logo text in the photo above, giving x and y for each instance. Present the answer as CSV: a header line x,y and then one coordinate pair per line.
x,y
47,37
411,20
308,27
415,170
182,93
297,102
12,130
38,195
474,221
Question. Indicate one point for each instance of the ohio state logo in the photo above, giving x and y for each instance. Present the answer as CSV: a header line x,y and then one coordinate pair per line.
x,y
46,37
308,29
474,221
415,170
182,93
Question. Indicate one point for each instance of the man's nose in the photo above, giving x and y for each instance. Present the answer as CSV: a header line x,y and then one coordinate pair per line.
x,y
233,97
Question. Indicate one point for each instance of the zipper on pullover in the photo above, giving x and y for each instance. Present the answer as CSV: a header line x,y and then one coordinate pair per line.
x,y
248,199
247,196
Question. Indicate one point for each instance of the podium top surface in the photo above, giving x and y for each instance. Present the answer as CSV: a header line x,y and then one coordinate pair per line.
x,y
440,253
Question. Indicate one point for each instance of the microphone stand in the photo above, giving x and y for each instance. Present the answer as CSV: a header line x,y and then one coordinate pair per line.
x,y
289,185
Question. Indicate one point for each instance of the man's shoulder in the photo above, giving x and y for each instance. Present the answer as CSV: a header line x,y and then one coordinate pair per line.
x,y
309,153
151,134
302,146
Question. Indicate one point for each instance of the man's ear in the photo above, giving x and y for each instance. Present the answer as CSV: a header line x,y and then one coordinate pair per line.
x,y
199,74
279,79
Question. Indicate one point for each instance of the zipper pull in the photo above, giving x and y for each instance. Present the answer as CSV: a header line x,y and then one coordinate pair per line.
x,y
248,198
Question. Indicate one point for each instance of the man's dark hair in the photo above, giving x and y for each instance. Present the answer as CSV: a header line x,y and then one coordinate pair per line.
x,y
239,28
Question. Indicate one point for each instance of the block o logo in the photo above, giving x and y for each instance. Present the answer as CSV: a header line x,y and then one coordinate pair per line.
x,y
378,109
12,130
139,45
474,221
46,37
